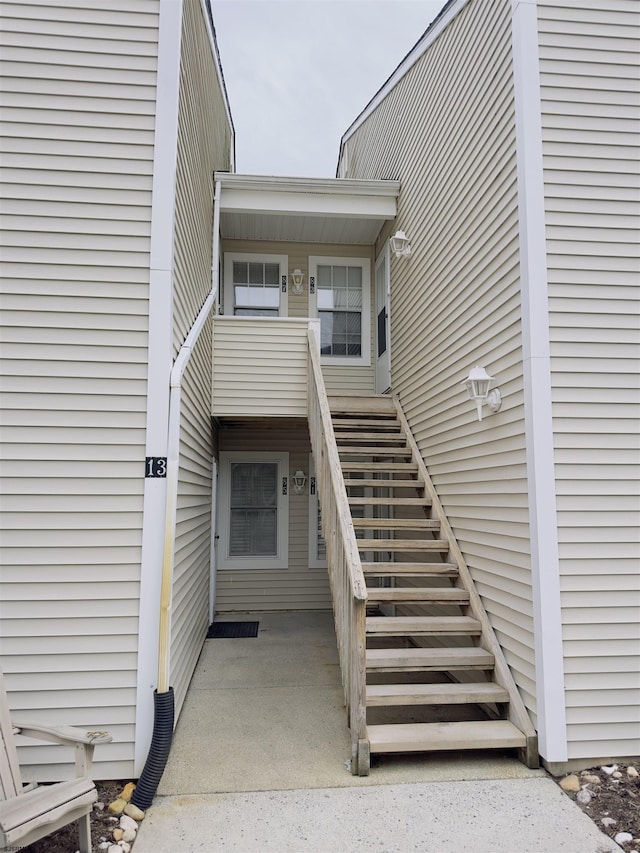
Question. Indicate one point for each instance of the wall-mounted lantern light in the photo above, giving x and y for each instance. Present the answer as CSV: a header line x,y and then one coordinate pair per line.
x,y
400,245
299,480
297,279
478,384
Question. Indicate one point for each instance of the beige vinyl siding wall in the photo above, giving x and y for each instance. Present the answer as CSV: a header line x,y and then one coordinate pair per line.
x,y
295,588
339,378
260,367
591,128
447,132
192,569
204,144
77,134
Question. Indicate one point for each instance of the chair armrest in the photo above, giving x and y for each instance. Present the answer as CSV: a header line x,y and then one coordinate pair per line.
x,y
69,735
82,741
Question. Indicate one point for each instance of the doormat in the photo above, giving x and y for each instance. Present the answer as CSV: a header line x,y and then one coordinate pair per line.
x,y
232,630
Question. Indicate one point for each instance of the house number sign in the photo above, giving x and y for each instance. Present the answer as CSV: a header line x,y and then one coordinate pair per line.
x,y
155,466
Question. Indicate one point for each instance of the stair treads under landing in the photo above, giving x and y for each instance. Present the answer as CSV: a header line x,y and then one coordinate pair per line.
x,y
232,630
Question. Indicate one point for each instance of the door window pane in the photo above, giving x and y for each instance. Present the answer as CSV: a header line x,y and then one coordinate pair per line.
x,y
253,518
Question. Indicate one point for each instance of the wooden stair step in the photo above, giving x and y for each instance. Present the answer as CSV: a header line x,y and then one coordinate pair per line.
x,y
398,523
357,501
428,660
374,451
383,570
381,467
348,437
366,423
427,737
445,595
421,626
387,484
362,404
403,545
450,693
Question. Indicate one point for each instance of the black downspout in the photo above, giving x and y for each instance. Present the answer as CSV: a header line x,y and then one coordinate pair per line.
x,y
163,714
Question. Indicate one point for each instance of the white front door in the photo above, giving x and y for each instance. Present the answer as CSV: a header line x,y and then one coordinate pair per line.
x,y
383,363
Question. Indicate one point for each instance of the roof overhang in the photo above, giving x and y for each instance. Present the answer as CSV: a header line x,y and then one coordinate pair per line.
x,y
306,210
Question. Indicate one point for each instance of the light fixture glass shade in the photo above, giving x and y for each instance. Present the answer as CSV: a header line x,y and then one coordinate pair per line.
x,y
478,384
297,279
400,245
299,480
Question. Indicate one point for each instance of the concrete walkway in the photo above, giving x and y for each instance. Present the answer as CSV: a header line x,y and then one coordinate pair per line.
x,y
258,764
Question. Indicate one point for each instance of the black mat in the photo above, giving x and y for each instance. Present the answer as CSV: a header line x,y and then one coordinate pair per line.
x,y
232,630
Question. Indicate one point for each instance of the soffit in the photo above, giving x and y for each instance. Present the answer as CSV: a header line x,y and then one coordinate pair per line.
x,y
310,210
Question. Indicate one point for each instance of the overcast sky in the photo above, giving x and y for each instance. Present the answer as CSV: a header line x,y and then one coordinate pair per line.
x,y
298,72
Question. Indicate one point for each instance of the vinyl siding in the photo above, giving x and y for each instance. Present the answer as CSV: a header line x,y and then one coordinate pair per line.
x,y
455,302
260,367
337,378
78,133
192,568
298,587
204,145
591,128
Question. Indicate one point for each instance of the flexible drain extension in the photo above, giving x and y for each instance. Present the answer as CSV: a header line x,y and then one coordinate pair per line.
x,y
163,712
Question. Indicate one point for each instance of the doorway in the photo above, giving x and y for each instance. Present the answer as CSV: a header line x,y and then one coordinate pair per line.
x,y
383,360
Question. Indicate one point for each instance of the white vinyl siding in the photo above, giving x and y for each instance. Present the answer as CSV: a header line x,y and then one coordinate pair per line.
x,y
192,566
260,367
78,134
296,587
455,302
591,128
204,146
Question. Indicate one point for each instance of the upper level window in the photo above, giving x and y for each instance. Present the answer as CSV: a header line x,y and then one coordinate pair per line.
x,y
255,285
340,298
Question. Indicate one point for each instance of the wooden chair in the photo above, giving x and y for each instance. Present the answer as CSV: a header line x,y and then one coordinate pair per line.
x,y
29,812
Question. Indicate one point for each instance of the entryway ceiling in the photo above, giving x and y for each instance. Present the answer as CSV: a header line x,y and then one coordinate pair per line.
x,y
308,210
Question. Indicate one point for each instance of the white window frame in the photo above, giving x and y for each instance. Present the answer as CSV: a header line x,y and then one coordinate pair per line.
x,y
260,258
315,562
364,359
281,559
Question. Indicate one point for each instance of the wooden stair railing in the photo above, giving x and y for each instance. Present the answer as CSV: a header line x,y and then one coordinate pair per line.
x,y
430,649
348,586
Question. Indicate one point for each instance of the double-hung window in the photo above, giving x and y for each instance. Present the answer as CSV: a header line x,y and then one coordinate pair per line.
x,y
339,292
255,285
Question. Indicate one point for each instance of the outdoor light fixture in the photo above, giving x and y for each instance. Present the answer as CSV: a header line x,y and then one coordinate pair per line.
x,y
400,245
299,480
477,384
297,277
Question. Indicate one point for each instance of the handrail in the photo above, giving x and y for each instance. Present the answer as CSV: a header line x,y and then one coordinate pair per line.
x,y
346,578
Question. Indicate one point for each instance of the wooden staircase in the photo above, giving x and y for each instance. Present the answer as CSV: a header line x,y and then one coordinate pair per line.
x,y
436,678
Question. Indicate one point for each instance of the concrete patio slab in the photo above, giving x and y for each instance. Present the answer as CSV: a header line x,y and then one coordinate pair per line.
x,y
497,816
259,765
268,714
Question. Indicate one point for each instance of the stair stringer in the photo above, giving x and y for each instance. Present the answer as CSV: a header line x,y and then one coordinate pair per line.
x,y
516,711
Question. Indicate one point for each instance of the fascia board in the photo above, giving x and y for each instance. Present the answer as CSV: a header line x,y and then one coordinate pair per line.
x,y
304,204
320,186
